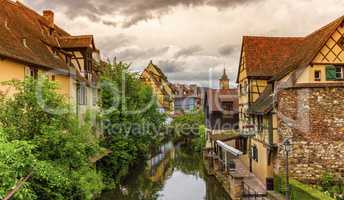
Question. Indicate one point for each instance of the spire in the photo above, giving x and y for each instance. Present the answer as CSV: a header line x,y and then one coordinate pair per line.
x,y
224,75
224,81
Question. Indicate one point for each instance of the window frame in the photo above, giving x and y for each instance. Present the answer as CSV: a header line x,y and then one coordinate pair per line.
x,y
317,78
341,68
81,95
227,104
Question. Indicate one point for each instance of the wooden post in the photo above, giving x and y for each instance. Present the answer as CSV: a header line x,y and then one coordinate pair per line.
x,y
225,161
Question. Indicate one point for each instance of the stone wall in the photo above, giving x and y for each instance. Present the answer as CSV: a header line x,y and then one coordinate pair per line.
x,y
314,119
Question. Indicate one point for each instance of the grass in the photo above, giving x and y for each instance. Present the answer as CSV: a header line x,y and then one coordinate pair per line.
x,y
300,191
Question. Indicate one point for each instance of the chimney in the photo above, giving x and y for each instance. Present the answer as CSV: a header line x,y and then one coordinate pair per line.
x,y
49,16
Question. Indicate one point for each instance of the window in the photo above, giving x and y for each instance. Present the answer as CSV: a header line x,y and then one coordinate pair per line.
x,y
339,72
81,95
317,75
32,72
334,73
260,123
94,96
227,106
255,153
241,144
53,77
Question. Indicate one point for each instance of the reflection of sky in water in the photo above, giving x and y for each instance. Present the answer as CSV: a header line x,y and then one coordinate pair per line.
x,y
194,188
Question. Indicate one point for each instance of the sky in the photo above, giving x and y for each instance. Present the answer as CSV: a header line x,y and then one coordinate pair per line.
x,y
192,41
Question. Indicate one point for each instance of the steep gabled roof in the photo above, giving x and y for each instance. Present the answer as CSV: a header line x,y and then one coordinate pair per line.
x,y
28,37
263,56
308,50
21,23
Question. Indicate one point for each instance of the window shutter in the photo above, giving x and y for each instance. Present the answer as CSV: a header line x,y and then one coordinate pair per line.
x,y
330,73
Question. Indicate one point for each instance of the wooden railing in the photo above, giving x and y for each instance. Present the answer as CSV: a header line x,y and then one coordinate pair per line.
x,y
249,193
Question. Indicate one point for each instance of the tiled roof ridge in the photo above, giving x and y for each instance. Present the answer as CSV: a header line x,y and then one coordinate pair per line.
x,y
39,16
337,20
273,37
76,36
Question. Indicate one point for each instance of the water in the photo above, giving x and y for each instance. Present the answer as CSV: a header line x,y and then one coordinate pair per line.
x,y
176,173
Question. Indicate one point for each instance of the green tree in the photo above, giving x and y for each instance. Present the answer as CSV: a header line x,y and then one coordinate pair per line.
x,y
131,120
188,123
56,147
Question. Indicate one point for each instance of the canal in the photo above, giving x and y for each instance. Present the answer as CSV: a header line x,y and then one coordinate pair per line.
x,y
176,173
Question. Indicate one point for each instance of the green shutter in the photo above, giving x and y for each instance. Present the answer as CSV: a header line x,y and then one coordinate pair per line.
x,y
330,73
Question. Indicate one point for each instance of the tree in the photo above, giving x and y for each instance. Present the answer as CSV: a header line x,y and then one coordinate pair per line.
x,y
188,123
131,119
55,147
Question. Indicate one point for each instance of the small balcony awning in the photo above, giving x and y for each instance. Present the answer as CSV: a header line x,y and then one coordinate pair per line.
x,y
235,152
264,104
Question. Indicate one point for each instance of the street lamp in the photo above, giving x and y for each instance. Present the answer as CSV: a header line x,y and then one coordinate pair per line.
x,y
287,149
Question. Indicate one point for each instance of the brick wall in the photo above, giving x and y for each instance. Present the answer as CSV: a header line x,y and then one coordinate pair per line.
x,y
314,119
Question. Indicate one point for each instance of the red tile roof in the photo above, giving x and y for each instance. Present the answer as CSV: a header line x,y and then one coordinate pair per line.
x,y
309,48
216,96
265,55
29,37
274,57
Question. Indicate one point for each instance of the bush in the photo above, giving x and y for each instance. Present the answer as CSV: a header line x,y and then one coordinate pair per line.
x,y
55,147
201,139
188,123
299,190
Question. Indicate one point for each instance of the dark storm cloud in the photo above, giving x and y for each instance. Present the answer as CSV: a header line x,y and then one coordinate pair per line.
x,y
110,23
134,53
227,50
134,10
109,43
171,66
189,51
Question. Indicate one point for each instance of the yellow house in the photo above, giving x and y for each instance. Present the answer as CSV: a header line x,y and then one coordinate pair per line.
x,y
31,44
260,58
309,96
154,77
290,88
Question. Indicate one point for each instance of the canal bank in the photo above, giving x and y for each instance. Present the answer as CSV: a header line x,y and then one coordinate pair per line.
x,y
176,172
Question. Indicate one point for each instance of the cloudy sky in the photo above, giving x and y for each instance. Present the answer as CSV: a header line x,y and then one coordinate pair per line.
x,y
191,40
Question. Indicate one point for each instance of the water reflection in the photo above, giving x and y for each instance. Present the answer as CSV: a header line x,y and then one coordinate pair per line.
x,y
176,173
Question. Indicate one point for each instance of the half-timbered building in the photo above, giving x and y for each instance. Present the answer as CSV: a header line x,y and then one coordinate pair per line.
x,y
291,87
162,88
32,44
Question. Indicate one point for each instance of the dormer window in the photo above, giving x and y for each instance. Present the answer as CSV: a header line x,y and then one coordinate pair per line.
x,y
24,41
6,25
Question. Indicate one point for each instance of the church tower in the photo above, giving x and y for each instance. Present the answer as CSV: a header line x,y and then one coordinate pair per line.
x,y
224,81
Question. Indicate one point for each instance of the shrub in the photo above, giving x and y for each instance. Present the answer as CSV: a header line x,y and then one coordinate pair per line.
x,y
55,146
300,190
